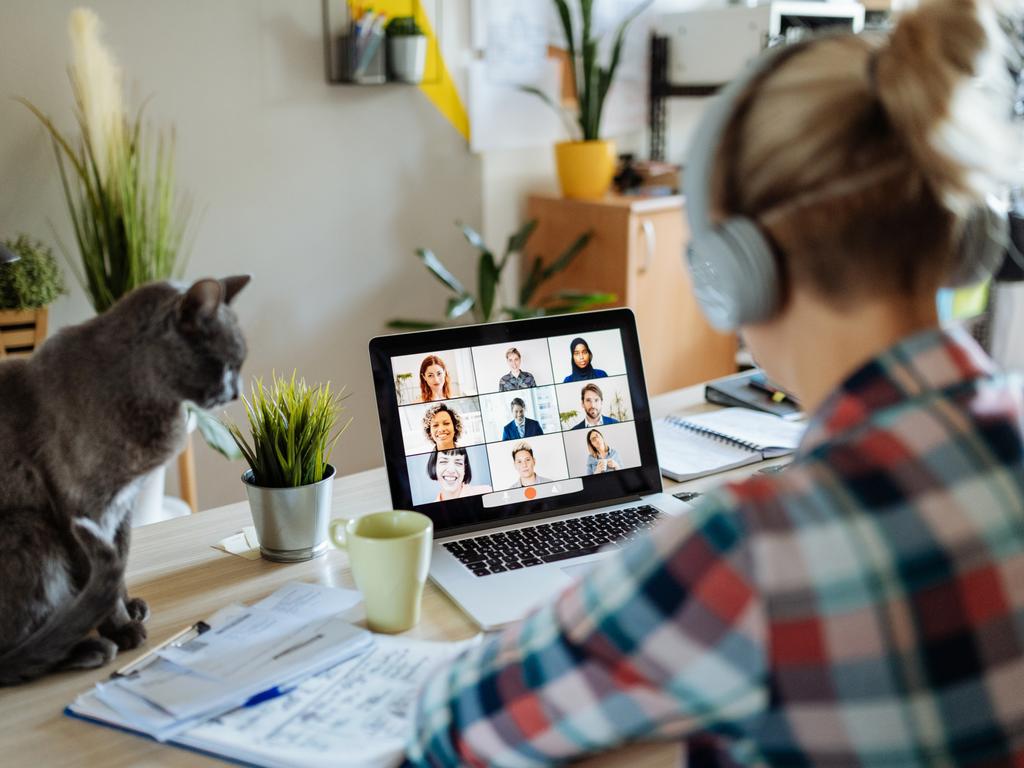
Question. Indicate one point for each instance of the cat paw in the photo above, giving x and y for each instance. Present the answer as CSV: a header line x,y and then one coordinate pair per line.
x,y
137,608
90,653
127,636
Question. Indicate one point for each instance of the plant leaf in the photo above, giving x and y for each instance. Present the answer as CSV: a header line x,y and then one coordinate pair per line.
x,y
439,270
566,18
607,75
459,305
565,115
400,324
575,301
488,277
567,257
517,241
533,279
472,236
216,435
521,313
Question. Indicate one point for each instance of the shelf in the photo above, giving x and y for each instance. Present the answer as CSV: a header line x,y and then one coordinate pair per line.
x,y
335,29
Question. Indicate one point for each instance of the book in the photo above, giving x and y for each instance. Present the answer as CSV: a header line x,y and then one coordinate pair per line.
x,y
751,389
357,713
694,446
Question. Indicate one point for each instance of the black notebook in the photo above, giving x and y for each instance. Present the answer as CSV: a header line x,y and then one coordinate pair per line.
x,y
694,446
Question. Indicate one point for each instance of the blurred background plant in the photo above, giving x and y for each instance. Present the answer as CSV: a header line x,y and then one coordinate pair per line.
x,y
293,431
32,282
484,306
118,179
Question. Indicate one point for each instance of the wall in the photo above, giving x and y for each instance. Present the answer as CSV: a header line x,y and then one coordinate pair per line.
x,y
321,192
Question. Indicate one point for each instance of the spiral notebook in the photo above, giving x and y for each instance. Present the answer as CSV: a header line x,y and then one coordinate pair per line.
x,y
699,445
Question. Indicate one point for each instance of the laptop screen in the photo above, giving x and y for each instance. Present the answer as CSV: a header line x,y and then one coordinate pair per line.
x,y
491,423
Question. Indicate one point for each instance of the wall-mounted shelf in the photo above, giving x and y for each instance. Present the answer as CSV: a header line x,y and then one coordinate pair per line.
x,y
337,30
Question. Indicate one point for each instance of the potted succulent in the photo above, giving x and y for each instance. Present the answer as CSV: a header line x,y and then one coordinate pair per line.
x,y
407,49
27,287
586,163
292,432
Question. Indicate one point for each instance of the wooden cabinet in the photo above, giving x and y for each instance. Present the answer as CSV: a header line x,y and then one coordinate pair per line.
x,y
637,254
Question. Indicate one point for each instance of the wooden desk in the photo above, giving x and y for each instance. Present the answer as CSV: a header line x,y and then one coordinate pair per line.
x,y
174,567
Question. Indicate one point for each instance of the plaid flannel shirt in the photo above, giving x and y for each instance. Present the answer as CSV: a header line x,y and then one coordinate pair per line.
x,y
865,607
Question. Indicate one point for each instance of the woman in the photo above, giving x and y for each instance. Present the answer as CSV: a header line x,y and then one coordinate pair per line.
x,y
848,610
453,473
442,426
434,380
580,357
602,457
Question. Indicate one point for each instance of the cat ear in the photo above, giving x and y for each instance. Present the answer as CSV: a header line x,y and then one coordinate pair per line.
x,y
232,285
200,302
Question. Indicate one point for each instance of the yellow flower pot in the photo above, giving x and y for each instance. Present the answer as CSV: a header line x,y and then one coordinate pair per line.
x,y
585,168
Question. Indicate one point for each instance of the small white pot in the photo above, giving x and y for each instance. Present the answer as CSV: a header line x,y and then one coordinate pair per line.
x,y
407,57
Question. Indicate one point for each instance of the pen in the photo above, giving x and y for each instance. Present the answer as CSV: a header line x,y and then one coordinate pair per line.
x,y
198,628
267,695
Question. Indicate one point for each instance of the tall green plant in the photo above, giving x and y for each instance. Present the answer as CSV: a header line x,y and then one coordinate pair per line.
x,y
484,306
118,181
591,81
293,431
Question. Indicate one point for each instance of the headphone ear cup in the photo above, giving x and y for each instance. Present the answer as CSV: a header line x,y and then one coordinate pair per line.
x,y
982,247
735,278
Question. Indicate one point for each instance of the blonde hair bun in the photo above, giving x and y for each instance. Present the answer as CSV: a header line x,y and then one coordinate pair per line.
x,y
943,82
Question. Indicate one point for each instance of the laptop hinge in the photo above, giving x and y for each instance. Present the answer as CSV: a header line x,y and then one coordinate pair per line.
x,y
529,518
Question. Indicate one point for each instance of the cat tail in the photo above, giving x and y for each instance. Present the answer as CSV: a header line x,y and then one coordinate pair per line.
x,y
51,642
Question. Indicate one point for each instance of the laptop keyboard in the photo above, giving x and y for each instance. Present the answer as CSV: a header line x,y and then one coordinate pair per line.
x,y
550,542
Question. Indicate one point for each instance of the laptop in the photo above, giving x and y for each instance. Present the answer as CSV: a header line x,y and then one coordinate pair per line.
x,y
529,443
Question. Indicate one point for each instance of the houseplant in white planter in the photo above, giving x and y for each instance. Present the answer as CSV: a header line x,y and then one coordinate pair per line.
x,y
293,429
586,163
407,50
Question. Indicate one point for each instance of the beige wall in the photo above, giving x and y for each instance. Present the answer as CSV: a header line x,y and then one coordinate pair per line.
x,y
321,192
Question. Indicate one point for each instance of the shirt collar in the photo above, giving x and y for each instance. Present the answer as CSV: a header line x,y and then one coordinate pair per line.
x,y
935,359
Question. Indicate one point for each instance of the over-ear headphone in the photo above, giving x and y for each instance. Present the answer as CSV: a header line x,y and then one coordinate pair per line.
x,y
732,263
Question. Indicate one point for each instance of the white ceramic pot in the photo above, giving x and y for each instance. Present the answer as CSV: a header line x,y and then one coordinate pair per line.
x,y
407,58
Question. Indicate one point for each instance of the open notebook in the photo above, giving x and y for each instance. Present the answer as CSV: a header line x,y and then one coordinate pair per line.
x,y
694,446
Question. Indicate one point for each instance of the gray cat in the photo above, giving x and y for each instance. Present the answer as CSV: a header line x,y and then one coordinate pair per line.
x,y
81,421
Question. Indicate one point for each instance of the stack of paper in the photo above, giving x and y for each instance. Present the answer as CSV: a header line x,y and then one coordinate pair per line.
x,y
317,712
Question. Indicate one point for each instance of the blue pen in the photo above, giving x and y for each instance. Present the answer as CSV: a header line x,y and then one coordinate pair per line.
x,y
267,695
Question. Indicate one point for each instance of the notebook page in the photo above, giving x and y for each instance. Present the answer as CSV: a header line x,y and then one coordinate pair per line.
x,y
684,454
762,430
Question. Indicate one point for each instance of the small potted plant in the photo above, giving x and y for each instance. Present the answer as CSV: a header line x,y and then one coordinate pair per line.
x,y
293,429
586,163
407,50
27,287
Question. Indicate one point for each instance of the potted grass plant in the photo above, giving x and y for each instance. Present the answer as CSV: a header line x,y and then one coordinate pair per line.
x,y
27,287
128,217
586,163
293,429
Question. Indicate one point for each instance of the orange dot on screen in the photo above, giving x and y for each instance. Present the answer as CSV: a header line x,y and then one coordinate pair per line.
x,y
530,493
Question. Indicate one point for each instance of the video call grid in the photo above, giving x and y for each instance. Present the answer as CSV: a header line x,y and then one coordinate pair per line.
x,y
562,430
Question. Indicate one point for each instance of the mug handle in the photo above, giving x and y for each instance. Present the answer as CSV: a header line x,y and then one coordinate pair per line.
x,y
336,529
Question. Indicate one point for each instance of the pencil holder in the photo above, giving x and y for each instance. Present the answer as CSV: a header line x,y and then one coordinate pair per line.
x,y
361,60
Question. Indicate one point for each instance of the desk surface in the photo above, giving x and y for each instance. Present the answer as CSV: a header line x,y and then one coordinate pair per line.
x,y
174,567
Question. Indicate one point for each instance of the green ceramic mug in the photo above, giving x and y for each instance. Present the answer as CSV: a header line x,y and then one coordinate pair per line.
x,y
389,553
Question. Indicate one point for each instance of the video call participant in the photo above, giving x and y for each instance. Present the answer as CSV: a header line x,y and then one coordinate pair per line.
x,y
442,426
580,356
592,400
515,378
520,426
601,457
434,383
526,466
453,473
862,607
